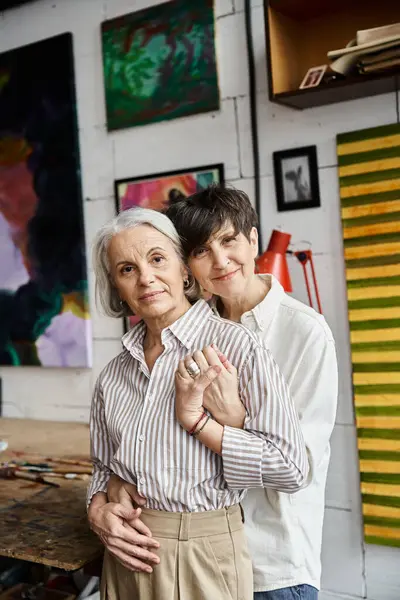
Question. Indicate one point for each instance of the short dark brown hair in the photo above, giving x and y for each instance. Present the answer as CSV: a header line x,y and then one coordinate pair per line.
x,y
199,216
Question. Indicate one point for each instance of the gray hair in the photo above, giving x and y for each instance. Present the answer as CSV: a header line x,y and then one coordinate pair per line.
x,y
106,293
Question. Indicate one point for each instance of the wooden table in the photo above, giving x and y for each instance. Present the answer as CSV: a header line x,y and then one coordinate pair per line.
x,y
40,523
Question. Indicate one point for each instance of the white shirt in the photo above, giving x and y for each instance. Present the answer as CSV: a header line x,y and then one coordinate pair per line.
x,y
285,531
135,434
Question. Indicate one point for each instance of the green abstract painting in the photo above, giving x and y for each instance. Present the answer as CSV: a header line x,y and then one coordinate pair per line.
x,y
159,63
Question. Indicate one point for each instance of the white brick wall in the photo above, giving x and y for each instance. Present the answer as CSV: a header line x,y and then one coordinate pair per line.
x,y
351,569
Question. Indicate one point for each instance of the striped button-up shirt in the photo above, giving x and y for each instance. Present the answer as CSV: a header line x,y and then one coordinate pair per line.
x,y
135,434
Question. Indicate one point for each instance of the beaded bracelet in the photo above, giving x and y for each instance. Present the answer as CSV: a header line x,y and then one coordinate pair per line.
x,y
196,433
195,426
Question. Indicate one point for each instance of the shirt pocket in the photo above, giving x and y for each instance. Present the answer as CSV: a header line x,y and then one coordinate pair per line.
x,y
191,487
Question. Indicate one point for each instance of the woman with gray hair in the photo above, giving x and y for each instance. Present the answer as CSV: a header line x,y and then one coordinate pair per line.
x,y
188,540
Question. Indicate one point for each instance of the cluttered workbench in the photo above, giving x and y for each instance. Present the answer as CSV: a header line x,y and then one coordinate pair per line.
x,y
45,521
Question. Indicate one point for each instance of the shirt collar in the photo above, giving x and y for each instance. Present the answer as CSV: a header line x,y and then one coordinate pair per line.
x,y
185,329
264,312
133,340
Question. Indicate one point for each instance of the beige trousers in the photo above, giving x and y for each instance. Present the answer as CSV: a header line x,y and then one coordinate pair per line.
x,y
203,556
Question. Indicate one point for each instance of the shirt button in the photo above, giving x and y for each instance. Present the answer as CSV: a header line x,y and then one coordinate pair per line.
x,y
142,480
141,438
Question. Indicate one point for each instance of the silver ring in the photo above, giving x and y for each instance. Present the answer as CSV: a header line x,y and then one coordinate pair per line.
x,y
193,369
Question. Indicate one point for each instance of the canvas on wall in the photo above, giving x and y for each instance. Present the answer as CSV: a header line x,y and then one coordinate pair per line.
x,y
158,191
159,63
44,315
369,172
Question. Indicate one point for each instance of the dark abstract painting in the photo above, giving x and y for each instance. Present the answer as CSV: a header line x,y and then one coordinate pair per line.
x,y
159,63
44,317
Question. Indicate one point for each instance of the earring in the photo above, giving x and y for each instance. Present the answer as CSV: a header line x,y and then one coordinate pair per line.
x,y
121,303
186,284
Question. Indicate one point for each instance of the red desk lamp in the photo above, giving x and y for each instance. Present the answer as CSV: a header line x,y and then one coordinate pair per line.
x,y
274,261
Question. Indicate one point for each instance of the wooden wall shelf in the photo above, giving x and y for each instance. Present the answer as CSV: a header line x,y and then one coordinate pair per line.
x,y
299,33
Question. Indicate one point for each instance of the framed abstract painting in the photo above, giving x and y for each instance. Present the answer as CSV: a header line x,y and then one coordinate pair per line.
x,y
159,63
159,190
44,311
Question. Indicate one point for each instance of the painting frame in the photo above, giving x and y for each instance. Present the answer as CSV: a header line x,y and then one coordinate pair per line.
x,y
166,174
302,195
160,63
44,288
217,168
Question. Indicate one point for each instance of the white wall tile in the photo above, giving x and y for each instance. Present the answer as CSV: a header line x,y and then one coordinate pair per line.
x,y
73,414
342,557
259,46
37,390
382,567
232,56
223,7
25,24
232,53
89,91
97,162
12,411
117,8
178,144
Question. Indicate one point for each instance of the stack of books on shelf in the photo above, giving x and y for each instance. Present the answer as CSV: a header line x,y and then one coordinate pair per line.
x,y
372,51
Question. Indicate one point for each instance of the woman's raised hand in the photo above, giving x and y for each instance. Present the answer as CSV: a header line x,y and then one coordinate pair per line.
x,y
214,388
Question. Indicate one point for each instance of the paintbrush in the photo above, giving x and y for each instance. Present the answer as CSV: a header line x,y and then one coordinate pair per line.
x,y
44,470
46,459
11,473
80,476
48,468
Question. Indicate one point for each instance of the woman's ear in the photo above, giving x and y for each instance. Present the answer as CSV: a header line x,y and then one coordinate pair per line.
x,y
254,241
185,277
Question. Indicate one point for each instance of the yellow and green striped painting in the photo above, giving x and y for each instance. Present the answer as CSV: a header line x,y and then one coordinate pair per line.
x,y
369,175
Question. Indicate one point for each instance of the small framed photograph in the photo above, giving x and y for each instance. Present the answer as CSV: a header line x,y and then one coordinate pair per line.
x,y
159,190
296,178
313,77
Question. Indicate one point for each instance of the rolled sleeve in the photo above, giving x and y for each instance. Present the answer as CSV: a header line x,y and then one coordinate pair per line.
x,y
242,458
270,450
101,445
99,482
